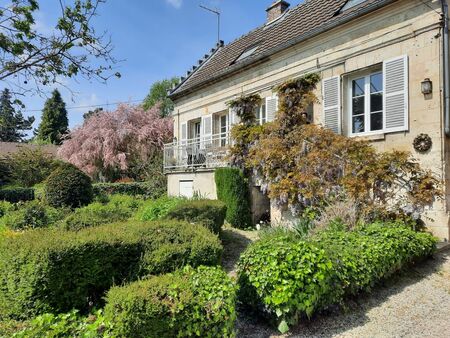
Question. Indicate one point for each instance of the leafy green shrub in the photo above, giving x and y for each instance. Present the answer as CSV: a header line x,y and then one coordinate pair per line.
x,y
49,270
232,189
156,209
5,172
371,253
192,302
5,207
146,189
68,186
95,214
67,325
285,279
31,215
206,212
16,194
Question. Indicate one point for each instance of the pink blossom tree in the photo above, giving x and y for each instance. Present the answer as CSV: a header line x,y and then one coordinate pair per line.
x,y
108,144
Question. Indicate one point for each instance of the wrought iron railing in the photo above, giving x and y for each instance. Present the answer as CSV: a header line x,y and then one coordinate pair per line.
x,y
207,152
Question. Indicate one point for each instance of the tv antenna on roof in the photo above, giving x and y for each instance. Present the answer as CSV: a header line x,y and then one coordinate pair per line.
x,y
217,12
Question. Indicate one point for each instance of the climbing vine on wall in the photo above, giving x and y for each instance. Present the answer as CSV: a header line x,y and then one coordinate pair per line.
x,y
303,165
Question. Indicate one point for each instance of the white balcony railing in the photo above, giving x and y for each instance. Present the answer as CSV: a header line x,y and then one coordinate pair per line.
x,y
207,152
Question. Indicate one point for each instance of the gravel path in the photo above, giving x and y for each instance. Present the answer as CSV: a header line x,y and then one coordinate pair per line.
x,y
415,303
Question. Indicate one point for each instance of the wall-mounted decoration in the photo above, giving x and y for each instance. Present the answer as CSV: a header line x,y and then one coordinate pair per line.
x,y
422,143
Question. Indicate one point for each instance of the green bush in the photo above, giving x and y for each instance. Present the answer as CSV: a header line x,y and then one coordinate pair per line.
x,y
192,302
95,214
67,325
365,256
16,194
209,213
285,279
55,271
282,279
157,209
31,215
146,189
232,189
68,186
5,207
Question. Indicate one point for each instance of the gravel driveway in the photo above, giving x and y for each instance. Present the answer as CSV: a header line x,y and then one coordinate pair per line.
x,y
415,303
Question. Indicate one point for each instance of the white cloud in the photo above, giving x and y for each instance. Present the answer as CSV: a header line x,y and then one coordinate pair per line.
x,y
175,3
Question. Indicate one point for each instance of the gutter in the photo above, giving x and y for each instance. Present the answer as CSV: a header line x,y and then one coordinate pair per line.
x,y
265,56
446,51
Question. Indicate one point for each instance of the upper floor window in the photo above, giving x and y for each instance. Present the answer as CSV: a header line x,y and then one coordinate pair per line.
x,y
261,114
366,103
350,4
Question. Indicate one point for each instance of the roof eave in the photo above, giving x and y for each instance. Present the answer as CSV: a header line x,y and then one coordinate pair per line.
x,y
263,57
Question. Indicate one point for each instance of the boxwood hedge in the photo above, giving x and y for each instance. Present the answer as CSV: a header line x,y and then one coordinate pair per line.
x,y
209,213
55,270
192,302
146,189
285,279
16,194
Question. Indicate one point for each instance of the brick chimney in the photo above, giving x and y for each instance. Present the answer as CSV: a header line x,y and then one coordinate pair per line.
x,y
276,9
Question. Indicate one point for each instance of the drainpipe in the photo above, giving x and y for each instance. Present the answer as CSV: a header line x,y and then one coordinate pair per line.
x,y
446,68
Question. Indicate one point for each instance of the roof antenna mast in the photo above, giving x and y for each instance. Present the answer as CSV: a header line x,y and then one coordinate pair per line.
x,y
217,12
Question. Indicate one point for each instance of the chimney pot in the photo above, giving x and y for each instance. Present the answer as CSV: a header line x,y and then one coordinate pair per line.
x,y
276,9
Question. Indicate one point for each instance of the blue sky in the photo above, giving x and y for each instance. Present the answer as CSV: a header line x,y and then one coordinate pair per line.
x,y
156,39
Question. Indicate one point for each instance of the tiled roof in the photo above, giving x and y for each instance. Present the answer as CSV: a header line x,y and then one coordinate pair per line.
x,y
297,24
7,148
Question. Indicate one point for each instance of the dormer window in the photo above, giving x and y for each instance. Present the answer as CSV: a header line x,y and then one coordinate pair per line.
x,y
247,53
350,4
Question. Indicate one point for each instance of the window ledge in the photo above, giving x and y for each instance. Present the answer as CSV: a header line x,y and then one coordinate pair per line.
x,y
371,138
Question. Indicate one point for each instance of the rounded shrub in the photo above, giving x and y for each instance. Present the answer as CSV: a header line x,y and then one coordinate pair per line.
x,y
68,186
55,271
191,302
209,213
283,279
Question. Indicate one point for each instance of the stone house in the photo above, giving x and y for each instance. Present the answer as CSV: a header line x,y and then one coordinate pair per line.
x,y
385,78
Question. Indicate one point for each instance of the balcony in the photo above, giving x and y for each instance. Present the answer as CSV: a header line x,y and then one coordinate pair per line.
x,y
203,153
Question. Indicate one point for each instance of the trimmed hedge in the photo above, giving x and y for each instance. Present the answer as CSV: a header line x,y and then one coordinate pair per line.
x,y
232,189
56,271
192,302
16,194
68,186
146,189
285,279
156,209
209,213
31,215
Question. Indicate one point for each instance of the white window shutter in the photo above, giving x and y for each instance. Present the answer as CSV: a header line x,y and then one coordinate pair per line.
x,y
234,119
183,134
331,92
395,100
206,129
271,107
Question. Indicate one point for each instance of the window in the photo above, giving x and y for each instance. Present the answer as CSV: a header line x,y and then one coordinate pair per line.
x,y
261,114
246,53
350,4
223,130
366,103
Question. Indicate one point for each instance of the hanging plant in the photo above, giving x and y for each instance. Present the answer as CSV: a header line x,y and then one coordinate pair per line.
x,y
422,143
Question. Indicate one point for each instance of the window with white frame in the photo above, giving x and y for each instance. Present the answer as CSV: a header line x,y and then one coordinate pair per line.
x,y
261,114
366,113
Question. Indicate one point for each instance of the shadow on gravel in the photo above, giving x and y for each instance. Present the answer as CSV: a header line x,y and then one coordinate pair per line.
x,y
234,243
339,320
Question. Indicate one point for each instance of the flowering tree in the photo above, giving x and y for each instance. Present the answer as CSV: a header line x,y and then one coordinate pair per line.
x,y
109,144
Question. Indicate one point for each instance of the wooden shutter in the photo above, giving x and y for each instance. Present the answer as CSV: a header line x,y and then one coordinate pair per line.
x,y
331,91
271,107
183,133
395,100
206,130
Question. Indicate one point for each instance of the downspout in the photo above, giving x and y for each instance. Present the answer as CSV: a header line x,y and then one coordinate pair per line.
x,y
446,52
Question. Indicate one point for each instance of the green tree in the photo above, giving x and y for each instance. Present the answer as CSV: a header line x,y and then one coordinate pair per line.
x,y
72,48
159,95
54,123
12,122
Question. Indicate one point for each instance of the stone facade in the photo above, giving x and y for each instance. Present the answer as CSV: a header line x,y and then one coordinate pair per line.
x,y
405,28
